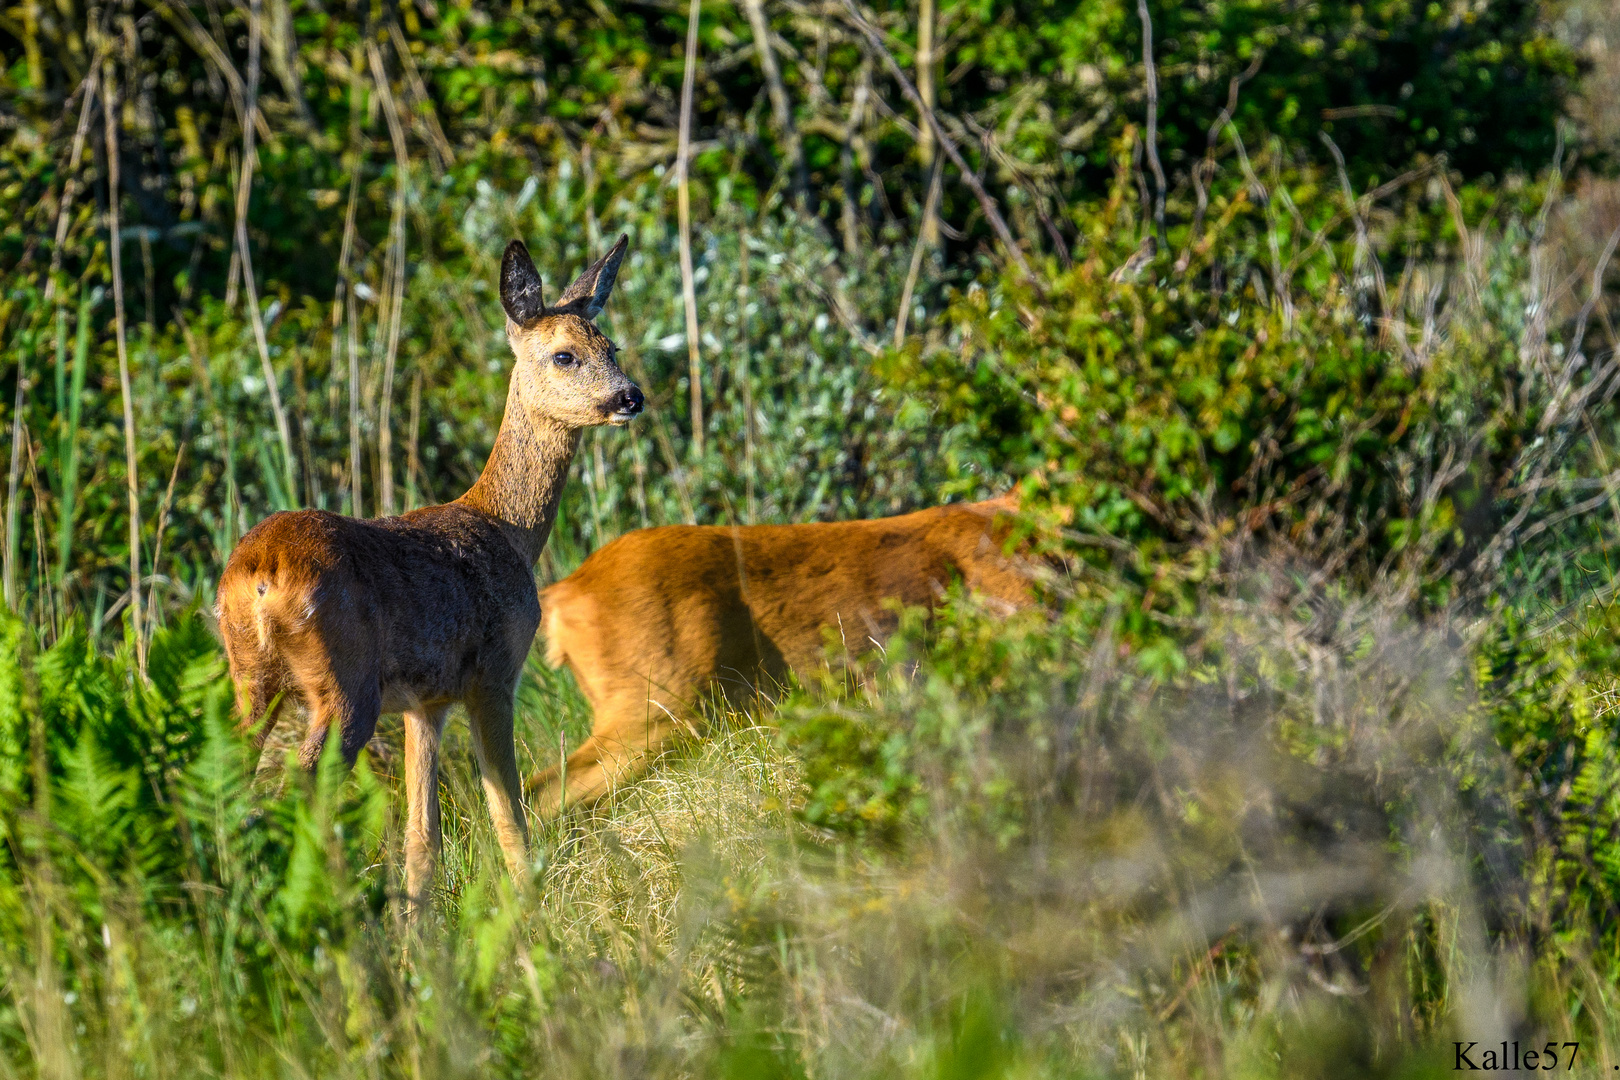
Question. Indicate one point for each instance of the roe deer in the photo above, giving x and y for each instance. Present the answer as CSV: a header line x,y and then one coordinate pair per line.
x,y
413,613
659,618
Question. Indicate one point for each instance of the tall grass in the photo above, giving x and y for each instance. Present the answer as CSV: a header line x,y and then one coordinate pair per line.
x,y
1306,862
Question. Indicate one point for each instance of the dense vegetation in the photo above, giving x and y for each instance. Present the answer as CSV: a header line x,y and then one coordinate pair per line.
x,y
1303,360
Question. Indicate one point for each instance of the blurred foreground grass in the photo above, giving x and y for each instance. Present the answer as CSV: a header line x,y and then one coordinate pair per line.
x,y
1307,861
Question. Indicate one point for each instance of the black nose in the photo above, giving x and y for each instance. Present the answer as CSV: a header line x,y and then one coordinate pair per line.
x,y
630,401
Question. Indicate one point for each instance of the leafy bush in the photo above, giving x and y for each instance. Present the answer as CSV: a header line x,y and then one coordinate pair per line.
x,y
509,89
1262,391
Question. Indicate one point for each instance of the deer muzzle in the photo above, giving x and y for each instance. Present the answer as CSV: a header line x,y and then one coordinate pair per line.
x,y
626,405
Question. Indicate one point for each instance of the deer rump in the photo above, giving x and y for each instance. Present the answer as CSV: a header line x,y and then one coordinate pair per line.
x,y
354,617
660,618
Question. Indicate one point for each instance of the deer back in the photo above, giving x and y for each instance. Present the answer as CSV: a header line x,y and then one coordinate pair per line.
x,y
684,607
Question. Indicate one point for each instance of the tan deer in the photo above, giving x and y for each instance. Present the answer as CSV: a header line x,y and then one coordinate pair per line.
x,y
413,613
659,619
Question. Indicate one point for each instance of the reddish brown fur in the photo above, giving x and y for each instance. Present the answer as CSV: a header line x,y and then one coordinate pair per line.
x,y
411,614
659,618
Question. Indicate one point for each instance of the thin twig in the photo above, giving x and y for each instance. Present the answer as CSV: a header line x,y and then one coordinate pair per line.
x,y
850,193
930,204
396,233
1203,172
683,205
1153,122
969,177
1364,248
1576,356
71,188
244,190
781,110
115,250
157,542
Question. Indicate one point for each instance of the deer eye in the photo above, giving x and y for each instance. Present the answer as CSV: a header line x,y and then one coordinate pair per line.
x,y
563,359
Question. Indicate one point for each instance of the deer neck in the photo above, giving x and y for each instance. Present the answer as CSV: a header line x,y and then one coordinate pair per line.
x,y
523,480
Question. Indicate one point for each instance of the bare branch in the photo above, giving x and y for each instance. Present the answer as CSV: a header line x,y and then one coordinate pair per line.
x,y
115,249
244,191
396,237
781,110
930,207
1153,121
986,203
683,204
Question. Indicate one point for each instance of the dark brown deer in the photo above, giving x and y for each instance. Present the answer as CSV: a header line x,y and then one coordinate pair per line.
x,y
412,613
659,619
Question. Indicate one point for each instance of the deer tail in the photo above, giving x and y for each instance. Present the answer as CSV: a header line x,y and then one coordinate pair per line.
x,y
553,604
260,602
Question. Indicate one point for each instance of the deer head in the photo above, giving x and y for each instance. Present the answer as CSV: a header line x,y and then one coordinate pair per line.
x,y
565,369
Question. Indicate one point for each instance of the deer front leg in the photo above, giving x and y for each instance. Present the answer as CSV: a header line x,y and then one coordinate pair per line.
x,y
423,728
629,733
490,712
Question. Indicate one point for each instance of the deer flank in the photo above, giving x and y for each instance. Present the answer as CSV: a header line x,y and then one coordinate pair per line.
x,y
659,619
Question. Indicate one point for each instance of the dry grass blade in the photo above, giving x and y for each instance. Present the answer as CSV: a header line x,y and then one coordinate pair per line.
x,y
443,155
1151,73
930,211
743,261
198,37
70,189
683,204
157,542
928,231
13,539
115,246
396,238
244,192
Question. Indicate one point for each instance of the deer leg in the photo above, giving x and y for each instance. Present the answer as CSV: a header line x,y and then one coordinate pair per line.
x,y
490,713
354,705
423,728
259,697
630,731
274,749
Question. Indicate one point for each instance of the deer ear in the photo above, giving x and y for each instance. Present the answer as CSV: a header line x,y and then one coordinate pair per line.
x,y
520,285
589,292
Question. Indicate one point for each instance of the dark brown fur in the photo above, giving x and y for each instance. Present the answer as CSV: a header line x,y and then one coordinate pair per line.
x,y
413,613
656,620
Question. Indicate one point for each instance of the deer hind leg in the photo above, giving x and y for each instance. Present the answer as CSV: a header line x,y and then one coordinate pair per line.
x,y
631,730
423,728
261,698
258,702
489,711
260,694
352,701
